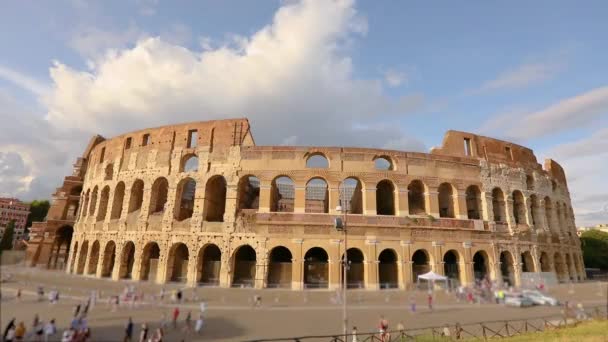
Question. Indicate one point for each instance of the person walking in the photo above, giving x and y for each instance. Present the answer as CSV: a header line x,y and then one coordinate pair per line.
x,y
412,304
10,327
430,301
68,335
49,330
354,335
175,316
77,310
143,335
129,330
199,324
188,321
20,331
158,335
40,293
18,294
38,328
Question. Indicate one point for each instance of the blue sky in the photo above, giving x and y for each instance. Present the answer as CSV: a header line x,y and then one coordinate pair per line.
x,y
394,74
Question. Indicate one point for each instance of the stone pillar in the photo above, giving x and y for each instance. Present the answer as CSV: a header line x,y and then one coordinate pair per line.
x,y
335,263
261,272
136,271
528,212
334,200
142,223
487,208
102,256
300,199
264,198
226,270
371,267
370,201
117,260
297,265
403,209
432,203
460,205
87,260
72,255
405,266
466,265
169,214
535,259
438,257
191,278
509,213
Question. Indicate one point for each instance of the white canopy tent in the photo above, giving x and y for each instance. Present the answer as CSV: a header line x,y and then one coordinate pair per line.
x,y
431,277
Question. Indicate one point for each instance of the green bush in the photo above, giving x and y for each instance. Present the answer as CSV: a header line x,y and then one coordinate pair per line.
x,y
595,249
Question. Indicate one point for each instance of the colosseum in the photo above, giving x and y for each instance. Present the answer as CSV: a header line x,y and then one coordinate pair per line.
x,y
200,203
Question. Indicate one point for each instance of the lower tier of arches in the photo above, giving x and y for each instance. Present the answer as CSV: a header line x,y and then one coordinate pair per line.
x,y
268,262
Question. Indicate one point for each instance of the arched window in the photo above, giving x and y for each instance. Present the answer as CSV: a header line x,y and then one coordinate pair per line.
x,y
507,268
249,193
93,202
388,269
244,266
215,199
109,172
498,205
317,196
473,198
158,198
421,263
451,265
351,197
84,211
184,203
103,203
519,209
178,263
316,268
549,214
415,196
529,182
534,209
481,265
282,195
190,163
137,196
279,268
119,195
317,161
558,216
383,163
385,198
446,200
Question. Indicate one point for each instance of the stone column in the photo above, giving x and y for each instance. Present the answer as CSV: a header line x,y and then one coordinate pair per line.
x,y
264,198
142,223
405,266
191,272
334,200
72,255
226,270
403,200
297,265
371,268
87,259
438,267
535,259
509,213
136,271
370,201
487,208
125,207
335,263
102,256
460,205
300,199
466,265
170,207
432,203
117,260
261,272
231,203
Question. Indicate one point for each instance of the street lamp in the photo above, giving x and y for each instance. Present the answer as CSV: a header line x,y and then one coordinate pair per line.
x,y
341,226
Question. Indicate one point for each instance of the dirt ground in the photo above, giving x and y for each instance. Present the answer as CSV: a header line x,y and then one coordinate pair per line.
x,y
231,317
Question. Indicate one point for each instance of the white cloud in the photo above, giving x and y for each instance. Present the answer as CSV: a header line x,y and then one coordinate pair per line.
x,y
23,81
93,43
395,78
522,76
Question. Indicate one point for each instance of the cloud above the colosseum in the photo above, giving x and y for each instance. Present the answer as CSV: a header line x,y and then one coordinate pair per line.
x,y
521,76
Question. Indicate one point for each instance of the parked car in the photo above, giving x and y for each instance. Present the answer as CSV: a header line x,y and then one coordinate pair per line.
x,y
518,299
540,298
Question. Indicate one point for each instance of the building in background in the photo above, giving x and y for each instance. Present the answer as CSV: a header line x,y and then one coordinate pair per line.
x,y
13,209
603,227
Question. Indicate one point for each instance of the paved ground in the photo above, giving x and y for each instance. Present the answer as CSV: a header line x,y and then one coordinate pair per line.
x,y
230,317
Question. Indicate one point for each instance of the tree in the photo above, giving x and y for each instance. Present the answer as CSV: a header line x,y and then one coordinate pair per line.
x,y
595,249
7,238
38,211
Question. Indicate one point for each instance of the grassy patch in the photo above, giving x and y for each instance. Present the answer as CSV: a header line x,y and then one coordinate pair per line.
x,y
594,331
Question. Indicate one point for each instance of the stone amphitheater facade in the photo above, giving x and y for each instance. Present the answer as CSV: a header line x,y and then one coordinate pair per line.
x,y
200,203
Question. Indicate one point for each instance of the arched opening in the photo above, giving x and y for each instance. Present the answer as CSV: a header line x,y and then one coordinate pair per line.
x,y
355,273
385,198
82,257
549,214
317,196
316,268
560,268
209,265
451,268
85,207
137,196
519,208
189,163
420,263
383,163
534,210
158,197
249,193
184,203
279,268
109,258
387,269
177,263
76,191
149,261
558,216
507,268
351,195
446,200
481,265
415,196
93,202
119,195
527,263
529,182
109,172
570,274
215,199
282,194
74,258
317,161
94,258
498,205
244,267
473,198
126,261
103,203
61,248
545,263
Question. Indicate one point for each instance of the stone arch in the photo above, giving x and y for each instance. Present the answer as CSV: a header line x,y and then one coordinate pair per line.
x,y
545,263
85,207
109,172
534,207
84,249
519,208
446,200
76,190
137,196
317,196
209,265
507,267
103,203
527,262
316,268
249,193
355,274
529,182
351,195
549,214
279,267
93,201
109,258
451,265
385,198
158,196
184,199
416,200
93,258
473,199
119,195
481,265
282,194
560,268
244,260
498,205
388,274
177,263
421,263
317,160
569,267
127,260
189,163
60,251
384,163
149,261
215,199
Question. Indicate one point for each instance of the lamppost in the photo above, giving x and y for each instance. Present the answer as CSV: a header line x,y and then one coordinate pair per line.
x,y
340,225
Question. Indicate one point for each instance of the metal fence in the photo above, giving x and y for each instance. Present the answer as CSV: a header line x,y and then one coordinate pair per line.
x,y
475,331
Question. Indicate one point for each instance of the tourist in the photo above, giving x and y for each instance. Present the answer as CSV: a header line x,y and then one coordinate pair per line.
x,y
401,330
129,330
412,304
38,328
158,336
188,321
175,316
162,294
354,335
257,300
20,331
9,335
77,310
10,326
430,301
75,323
163,321
40,294
143,335
18,294
383,329
85,310
179,296
446,332
49,330
68,335
199,324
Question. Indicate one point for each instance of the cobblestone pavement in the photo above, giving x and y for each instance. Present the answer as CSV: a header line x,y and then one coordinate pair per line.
x,y
230,316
